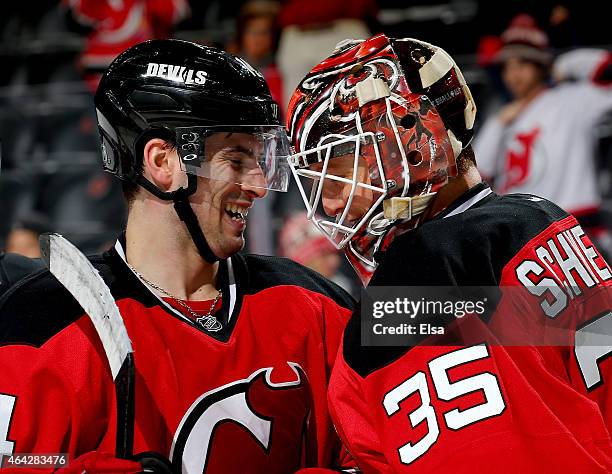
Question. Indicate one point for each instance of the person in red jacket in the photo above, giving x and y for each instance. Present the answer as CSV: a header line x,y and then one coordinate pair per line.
x,y
232,352
118,25
382,131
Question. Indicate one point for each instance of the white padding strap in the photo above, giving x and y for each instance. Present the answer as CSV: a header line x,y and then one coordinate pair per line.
x,y
469,113
436,68
406,207
370,89
455,143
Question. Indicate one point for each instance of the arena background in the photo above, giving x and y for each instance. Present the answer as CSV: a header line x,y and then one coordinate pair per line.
x,y
52,53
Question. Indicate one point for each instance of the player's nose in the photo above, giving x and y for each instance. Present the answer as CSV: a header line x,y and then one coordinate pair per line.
x,y
334,203
254,183
333,207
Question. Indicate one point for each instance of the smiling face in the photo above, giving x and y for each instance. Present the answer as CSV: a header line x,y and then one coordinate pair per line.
x,y
222,201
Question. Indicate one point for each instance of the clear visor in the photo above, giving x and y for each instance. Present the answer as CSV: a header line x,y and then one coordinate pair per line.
x,y
343,181
253,156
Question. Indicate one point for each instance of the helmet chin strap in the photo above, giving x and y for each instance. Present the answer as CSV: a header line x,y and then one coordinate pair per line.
x,y
183,209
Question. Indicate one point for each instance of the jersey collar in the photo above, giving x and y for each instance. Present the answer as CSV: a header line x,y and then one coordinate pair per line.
x,y
472,197
226,279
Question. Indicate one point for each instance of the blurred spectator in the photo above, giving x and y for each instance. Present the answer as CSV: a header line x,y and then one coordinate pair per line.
x,y
302,242
118,24
23,237
543,142
584,64
257,31
257,40
15,267
311,30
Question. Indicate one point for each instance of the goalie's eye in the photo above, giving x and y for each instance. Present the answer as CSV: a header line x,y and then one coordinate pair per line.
x,y
335,114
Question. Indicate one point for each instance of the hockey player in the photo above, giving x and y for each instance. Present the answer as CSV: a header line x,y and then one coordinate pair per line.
x,y
232,352
382,132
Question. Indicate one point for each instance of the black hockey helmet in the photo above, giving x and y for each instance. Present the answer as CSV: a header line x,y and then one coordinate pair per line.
x,y
159,85
182,92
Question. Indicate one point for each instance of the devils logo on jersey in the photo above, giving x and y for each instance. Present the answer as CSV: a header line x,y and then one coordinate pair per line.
x,y
525,161
234,427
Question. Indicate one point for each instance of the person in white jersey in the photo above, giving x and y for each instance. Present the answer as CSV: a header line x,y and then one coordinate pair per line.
x,y
543,142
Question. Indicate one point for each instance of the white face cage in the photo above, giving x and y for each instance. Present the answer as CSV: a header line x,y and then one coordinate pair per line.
x,y
337,231
417,149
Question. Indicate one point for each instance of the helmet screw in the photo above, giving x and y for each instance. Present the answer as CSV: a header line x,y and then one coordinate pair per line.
x,y
391,184
380,136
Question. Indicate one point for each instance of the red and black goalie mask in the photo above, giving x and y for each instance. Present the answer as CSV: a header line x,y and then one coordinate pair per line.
x,y
377,120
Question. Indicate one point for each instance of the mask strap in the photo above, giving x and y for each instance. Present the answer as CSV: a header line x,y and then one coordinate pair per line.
x,y
406,207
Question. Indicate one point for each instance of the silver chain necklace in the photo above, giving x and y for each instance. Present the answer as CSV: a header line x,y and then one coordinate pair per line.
x,y
208,321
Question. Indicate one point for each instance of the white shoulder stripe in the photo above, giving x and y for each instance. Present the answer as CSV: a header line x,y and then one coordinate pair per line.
x,y
232,289
470,202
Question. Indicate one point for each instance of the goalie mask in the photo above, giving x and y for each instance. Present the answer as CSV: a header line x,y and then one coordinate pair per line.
x,y
376,129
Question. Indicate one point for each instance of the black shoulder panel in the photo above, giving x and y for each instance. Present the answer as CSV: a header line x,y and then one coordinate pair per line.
x,y
36,309
467,249
266,272
39,306
15,267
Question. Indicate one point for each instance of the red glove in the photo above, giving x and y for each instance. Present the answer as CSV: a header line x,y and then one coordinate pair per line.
x,y
95,462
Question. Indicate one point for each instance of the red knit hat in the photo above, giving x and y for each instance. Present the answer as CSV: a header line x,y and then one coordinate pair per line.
x,y
524,39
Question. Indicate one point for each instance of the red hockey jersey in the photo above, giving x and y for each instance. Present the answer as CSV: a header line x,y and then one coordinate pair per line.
x,y
248,399
118,25
486,407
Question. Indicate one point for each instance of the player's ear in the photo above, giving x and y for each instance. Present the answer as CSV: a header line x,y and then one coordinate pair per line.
x,y
158,163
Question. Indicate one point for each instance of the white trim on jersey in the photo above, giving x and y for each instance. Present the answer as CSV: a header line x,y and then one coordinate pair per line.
x,y
470,202
232,288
